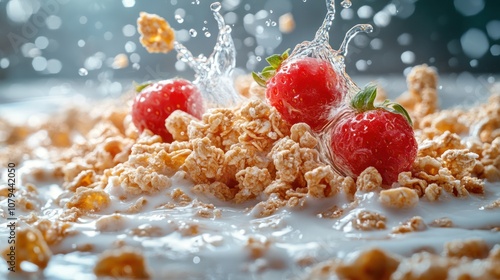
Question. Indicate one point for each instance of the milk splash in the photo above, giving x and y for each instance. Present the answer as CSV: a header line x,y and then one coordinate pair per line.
x,y
319,47
214,74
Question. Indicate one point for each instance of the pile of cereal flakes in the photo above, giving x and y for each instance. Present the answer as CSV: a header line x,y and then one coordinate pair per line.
x,y
248,156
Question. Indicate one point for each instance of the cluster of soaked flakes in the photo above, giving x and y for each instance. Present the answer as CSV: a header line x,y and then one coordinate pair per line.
x,y
421,99
369,180
444,164
106,145
442,222
489,158
148,168
481,121
368,220
462,259
51,134
79,144
250,152
414,224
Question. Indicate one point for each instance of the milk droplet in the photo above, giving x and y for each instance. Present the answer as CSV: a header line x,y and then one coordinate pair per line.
x,y
83,72
207,34
346,3
193,33
179,19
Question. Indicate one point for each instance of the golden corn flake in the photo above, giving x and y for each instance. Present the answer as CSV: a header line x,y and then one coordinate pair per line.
x,y
125,262
370,265
401,197
89,200
156,33
257,247
30,247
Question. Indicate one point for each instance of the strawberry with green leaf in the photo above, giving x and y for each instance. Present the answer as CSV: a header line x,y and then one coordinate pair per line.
x,y
302,89
156,101
366,134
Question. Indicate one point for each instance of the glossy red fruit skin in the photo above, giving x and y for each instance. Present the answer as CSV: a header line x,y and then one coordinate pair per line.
x,y
305,90
157,101
377,138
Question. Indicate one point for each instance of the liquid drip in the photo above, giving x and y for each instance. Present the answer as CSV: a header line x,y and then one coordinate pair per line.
x,y
214,74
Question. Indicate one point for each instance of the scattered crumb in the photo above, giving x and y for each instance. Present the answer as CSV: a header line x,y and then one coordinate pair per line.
x,y
286,23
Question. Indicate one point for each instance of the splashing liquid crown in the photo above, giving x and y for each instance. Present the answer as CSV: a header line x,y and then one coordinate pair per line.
x,y
214,74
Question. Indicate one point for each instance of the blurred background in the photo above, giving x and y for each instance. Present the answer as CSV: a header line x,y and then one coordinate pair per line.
x,y
93,45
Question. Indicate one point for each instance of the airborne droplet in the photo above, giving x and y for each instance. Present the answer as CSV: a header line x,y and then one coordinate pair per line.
x,y
83,72
179,18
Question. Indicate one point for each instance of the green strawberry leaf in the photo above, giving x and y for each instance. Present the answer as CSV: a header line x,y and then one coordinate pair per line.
x,y
274,61
140,87
398,109
285,54
269,71
364,101
259,79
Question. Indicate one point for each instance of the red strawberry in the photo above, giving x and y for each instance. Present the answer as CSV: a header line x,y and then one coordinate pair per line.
x,y
302,90
368,135
156,101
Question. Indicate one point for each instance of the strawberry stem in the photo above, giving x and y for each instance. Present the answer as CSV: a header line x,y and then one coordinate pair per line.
x,y
140,87
364,101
